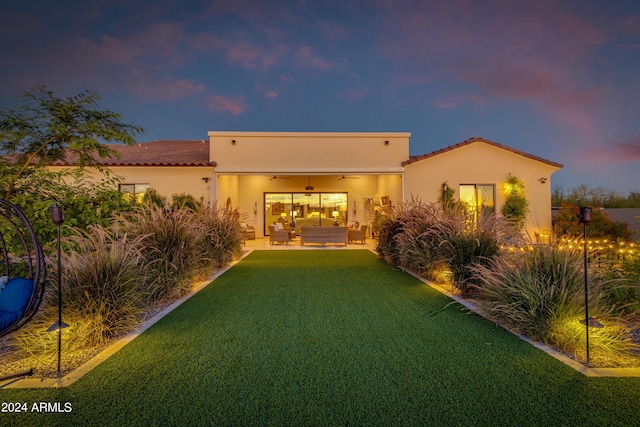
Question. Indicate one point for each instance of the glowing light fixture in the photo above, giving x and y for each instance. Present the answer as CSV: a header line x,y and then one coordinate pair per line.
x,y
592,323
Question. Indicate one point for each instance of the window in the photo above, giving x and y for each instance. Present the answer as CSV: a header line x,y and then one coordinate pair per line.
x,y
479,199
311,208
136,190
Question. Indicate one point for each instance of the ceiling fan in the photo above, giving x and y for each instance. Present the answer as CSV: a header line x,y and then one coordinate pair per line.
x,y
347,177
309,187
278,177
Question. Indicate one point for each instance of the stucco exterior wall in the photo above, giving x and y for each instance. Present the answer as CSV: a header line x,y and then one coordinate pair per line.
x,y
481,163
166,180
308,152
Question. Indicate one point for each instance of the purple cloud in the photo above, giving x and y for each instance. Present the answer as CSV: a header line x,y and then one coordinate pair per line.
x,y
234,105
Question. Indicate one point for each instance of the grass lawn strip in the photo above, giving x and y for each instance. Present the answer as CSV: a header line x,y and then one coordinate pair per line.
x,y
329,338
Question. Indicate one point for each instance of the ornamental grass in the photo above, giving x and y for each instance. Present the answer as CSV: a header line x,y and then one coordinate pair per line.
x,y
417,246
102,279
222,234
465,243
403,238
434,243
540,293
173,247
114,277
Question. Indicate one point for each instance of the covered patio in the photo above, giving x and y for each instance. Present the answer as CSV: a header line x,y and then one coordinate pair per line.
x,y
321,178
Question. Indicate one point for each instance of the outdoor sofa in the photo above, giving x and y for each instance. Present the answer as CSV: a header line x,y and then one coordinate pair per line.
x,y
324,235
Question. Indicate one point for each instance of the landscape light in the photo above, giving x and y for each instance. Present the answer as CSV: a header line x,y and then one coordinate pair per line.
x,y
585,218
57,217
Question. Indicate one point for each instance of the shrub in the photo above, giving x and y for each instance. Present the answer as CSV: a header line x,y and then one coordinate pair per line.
x,y
567,223
393,223
540,293
465,243
101,278
173,248
183,200
388,227
432,242
222,234
85,202
624,298
516,205
152,197
416,244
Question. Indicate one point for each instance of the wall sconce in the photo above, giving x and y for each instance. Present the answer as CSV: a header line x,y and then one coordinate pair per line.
x,y
233,142
354,208
542,180
255,208
206,179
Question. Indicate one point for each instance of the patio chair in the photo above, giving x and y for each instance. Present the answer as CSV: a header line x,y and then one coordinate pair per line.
x,y
359,235
22,269
281,236
248,232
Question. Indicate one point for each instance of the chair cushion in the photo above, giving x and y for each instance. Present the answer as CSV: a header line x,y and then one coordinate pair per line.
x,y
15,295
7,319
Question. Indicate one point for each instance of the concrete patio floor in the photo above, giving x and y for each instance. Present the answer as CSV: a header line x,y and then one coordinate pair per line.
x,y
261,243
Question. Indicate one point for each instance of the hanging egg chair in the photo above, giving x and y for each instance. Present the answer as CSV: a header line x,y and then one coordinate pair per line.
x,y
22,269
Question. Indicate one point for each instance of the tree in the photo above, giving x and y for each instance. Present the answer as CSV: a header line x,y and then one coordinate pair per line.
x,y
46,129
598,197
568,224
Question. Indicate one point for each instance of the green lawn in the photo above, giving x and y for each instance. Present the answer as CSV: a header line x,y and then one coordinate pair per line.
x,y
330,337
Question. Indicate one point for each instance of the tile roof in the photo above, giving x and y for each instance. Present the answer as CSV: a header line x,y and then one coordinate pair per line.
x,y
413,159
157,153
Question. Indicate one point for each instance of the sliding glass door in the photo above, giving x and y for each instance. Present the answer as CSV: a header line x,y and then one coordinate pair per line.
x,y
479,199
320,209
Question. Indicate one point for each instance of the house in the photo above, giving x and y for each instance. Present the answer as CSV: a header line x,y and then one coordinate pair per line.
x,y
476,169
330,177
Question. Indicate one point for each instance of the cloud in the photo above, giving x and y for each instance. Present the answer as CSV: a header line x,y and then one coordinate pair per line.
x,y
457,101
168,89
626,150
251,55
355,94
233,105
146,62
631,24
612,152
271,94
307,57
532,50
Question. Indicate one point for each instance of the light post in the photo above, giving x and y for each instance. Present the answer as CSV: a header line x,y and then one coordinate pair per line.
x,y
57,217
585,218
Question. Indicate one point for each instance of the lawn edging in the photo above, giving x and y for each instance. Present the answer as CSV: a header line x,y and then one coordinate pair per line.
x,y
89,365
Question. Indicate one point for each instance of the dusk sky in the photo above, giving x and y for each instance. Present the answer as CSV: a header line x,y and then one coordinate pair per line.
x,y
558,79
